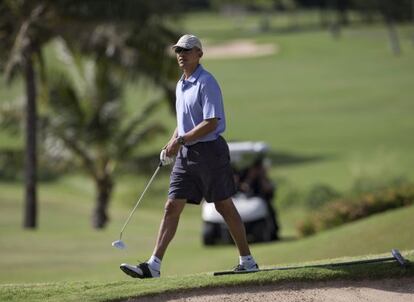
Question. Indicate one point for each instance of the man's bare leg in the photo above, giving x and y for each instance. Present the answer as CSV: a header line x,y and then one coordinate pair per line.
x,y
168,226
236,227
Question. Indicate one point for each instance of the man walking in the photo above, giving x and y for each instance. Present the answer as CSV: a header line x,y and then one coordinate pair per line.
x,y
202,166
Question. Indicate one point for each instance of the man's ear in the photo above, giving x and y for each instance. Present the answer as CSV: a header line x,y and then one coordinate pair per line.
x,y
200,53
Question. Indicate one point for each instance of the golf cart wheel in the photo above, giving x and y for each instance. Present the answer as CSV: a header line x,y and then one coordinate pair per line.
x,y
259,231
209,233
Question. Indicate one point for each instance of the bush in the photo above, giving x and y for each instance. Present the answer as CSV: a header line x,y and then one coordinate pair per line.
x,y
369,183
319,195
11,163
350,209
12,166
290,198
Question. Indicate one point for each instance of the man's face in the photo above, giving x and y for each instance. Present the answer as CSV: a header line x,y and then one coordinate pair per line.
x,y
188,58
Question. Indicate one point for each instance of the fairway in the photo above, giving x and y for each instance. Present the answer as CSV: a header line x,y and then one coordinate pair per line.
x,y
346,103
66,248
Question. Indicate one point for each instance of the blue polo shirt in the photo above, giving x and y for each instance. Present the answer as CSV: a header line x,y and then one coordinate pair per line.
x,y
199,98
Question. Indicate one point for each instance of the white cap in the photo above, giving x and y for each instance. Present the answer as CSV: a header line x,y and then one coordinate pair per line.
x,y
188,42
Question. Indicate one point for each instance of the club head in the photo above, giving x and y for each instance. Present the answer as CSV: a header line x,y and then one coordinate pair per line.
x,y
400,259
119,244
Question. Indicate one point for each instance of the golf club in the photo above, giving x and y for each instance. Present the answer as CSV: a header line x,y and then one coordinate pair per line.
x,y
119,244
396,256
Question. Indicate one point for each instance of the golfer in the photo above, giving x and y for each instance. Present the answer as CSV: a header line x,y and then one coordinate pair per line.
x,y
202,166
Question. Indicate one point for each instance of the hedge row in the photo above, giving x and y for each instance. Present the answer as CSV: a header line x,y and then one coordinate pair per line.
x,y
346,210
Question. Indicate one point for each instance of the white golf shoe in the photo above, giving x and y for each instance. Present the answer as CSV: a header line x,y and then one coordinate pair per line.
x,y
142,270
244,268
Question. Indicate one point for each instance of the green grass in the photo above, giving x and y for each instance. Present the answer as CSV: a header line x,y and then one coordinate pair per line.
x,y
65,248
340,100
104,291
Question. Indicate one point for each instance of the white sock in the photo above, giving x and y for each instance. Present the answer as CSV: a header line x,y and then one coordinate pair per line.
x,y
154,263
247,261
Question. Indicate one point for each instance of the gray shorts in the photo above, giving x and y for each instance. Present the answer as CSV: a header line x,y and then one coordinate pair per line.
x,y
202,171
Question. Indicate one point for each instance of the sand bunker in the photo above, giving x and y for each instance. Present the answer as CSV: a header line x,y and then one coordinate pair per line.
x,y
239,49
401,290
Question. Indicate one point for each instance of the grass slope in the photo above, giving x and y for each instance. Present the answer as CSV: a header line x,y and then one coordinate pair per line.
x,y
66,249
96,291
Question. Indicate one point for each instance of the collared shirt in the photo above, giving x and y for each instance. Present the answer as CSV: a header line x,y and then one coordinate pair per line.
x,y
199,98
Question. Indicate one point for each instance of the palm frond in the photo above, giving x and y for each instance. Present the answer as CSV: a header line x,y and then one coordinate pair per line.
x,y
147,133
138,120
23,42
11,116
65,103
73,65
80,150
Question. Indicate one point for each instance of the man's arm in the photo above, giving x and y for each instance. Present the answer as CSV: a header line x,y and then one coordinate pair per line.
x,y
202,129
173,137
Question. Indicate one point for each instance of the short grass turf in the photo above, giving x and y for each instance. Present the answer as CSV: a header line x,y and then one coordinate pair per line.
x,y
122,290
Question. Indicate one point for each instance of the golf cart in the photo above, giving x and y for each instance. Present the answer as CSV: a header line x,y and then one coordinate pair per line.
x,y
253,199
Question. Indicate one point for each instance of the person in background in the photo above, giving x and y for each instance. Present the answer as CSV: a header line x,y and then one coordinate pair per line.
x,y
253,181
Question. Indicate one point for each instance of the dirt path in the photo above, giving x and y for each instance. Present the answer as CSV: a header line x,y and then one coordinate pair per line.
x,y
389,290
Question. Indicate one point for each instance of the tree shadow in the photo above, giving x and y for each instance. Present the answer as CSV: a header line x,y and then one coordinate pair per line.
x,y
287,239
281,158
147,163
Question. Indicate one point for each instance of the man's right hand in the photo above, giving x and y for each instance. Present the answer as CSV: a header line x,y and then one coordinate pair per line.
x,y
172,147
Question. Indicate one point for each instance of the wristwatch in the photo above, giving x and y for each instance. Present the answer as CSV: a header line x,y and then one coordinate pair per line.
x,y
181,140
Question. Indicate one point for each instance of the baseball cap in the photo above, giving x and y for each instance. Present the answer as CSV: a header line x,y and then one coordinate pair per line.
x,y
188,42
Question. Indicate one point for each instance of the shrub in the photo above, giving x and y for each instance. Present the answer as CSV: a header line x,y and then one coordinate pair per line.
x,y
11,162
319,195
291,198
350,209
366,183
12,166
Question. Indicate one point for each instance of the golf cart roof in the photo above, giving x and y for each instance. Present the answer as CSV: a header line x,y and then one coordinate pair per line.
x,y
243,154
247,147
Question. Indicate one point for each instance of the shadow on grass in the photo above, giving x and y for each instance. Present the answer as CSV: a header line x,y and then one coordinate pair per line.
x,y
288,158
146,164
287,239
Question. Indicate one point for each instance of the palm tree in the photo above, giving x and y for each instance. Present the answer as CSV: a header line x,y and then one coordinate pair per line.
x,y
87,115
138,48
27,25
23,36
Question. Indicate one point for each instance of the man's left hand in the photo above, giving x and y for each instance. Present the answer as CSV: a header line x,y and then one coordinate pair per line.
x,y
164,159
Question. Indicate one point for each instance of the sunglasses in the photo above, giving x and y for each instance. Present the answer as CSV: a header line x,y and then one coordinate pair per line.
x,y
180,49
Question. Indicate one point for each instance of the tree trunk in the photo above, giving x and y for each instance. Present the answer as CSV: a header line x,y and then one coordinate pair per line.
x,y
342,8
335,20
294,19
323,15
30,207
104,188
170,92
412,16
335,30
394,40
264,22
